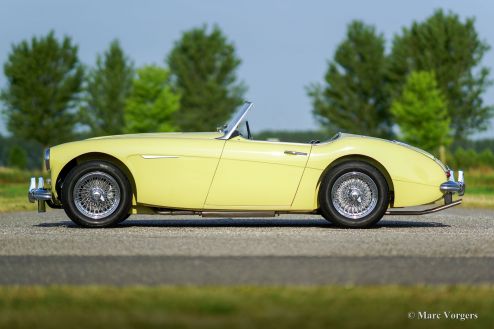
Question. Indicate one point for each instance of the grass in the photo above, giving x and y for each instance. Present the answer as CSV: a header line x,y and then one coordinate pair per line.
x,y
480,180
13,197
12,176
14,184
480,188
243,307
13,189
478,201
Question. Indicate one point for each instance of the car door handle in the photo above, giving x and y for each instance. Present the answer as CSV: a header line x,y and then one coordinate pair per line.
x,y
295,153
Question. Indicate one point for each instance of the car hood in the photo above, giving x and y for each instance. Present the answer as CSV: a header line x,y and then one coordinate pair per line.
x,y
174,135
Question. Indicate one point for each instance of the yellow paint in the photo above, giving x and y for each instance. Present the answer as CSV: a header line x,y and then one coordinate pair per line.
x,y
199,171
403,164
306,198
255,175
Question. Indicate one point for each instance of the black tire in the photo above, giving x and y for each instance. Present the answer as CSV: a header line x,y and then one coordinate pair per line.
x,y
124,217
342,173
120,209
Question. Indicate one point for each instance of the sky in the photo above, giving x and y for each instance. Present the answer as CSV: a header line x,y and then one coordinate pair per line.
x,y
284,45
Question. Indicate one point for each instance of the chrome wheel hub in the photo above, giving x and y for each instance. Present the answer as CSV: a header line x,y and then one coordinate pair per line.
x,y
354,195
96,195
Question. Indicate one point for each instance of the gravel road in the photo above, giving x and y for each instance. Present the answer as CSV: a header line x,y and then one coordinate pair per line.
x,y
453,246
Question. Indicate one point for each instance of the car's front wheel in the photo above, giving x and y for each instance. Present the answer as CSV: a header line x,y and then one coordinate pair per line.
x,y
96,194
354,194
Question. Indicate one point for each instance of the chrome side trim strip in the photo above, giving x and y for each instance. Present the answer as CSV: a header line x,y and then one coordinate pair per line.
x,y
176,212
238,213
295,153
150,156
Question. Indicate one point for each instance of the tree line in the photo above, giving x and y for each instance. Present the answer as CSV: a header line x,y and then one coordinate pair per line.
x,y
429,85
427,89
51,97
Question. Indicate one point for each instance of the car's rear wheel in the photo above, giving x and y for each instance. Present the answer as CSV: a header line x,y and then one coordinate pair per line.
x,y
96,194
354,194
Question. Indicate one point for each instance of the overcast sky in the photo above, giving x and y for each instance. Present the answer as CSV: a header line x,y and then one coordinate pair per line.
x,y
284,45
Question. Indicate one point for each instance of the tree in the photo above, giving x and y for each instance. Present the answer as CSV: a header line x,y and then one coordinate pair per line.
x,y
152,102
453,50
421,113
44,79
108,86
17,157
203,69
355,96
486,158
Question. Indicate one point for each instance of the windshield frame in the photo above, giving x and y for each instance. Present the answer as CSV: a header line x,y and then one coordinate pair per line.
x,y
236,120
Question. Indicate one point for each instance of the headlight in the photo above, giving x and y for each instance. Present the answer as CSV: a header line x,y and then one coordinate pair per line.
x,y
47,159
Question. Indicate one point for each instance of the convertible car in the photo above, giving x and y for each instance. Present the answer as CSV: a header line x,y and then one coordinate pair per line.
x,y
352,181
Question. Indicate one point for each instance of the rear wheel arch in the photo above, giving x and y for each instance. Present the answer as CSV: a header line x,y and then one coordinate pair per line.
x,y
363,158
94,156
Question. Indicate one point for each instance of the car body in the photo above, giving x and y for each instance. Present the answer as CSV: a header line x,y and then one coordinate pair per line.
x,y
225,173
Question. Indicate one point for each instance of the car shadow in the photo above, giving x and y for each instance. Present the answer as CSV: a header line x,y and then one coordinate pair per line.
x,y
248,222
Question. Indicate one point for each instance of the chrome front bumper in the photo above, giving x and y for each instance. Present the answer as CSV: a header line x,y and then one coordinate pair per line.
x,y
39,193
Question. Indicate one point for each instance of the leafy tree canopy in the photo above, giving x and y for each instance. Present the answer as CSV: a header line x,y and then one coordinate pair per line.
x,y
421,113
17,157
107,88
355,96
203,66
152,102
44,80
453,50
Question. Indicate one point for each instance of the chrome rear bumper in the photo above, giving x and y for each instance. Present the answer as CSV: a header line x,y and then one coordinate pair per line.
x,y
39,193
423,212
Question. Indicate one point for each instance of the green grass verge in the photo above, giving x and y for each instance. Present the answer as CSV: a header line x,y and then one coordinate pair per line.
x,y
13,197
243,307
478,201
12,175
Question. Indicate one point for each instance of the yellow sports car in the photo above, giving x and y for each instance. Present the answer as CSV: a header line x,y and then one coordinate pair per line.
x,y
352,181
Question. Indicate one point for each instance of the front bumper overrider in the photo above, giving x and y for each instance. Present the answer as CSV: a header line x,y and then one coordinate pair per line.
x,y
39,193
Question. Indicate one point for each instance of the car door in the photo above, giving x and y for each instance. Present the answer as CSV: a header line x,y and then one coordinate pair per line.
x,y
175,173
257,175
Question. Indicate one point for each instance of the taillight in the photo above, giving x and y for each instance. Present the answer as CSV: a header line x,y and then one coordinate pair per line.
x,y
448,174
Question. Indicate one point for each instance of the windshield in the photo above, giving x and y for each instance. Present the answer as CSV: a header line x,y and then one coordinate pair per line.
x,y
237,118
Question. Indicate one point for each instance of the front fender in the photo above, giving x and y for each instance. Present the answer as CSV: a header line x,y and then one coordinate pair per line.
x,y
62,155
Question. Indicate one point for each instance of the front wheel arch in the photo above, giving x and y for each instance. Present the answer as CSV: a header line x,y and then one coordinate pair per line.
x,y
94,156
113,186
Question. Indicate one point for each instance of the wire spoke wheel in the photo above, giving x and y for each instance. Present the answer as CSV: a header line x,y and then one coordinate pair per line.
x,y
354,195
96,195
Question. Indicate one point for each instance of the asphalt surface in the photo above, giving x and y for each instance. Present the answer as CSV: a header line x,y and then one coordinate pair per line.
x,y
453,246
